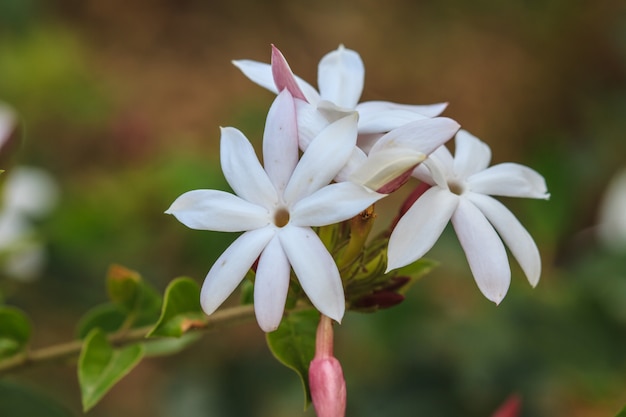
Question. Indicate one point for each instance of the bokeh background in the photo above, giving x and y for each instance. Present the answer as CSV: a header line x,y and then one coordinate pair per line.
x,y
121,102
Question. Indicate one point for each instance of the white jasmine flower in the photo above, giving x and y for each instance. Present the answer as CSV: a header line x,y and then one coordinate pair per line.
x,y
460,191
276,207
393,138
612,213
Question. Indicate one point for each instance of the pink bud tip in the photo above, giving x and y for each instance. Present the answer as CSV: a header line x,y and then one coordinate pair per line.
x,y
283,77
510,408
328,387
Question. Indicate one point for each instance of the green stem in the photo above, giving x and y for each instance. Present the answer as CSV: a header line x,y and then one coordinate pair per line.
x,y
217,320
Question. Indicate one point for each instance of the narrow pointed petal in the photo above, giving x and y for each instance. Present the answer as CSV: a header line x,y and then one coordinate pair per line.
x,y
280,141
323,159
218,211
333,204
484,251
271,285
232,266
381,168
428,110
258,72
284,78
420,136
243,171
341,76
509,180
471,155
385,120
420,227
514,235
316,270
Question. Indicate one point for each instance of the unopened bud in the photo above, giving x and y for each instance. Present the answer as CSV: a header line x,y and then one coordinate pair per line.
x,y
326,381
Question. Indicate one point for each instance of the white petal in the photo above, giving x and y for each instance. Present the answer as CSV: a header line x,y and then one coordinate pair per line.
x,y
420,136
509,180
258,72
428,110
384,166
484,251
514,235
340,77
219,211
422,173
280,141
271,285
315,268
332,204
230,268
471,155
385,120
420,227
323,159
243,171
356,159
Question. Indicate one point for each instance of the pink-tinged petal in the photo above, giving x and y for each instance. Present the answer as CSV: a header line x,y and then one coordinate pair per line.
x,y
340,77
509,180
373,107
230,268
258,72
218,211
325,156
420,227
484,250
315,268
333,204
422,136
471,155
280,141
386,120
283,76
382,167
514,235
243,171
271,285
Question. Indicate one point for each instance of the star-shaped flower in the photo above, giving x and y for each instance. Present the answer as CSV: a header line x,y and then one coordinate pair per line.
x,y
393,138
275,207
460,191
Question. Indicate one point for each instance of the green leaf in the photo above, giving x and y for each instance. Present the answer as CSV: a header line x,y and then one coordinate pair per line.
x,y
15,331
293,344
100,366
20,401
622,413
123,286
181,309
108,317
170,345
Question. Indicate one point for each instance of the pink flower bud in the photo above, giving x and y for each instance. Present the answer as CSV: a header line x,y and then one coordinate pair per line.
x,y
326,381
328,387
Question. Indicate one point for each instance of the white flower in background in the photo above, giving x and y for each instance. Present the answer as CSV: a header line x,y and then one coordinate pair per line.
x,y
276,207
28,193
612,213
7,123
393,138
340,78
460,191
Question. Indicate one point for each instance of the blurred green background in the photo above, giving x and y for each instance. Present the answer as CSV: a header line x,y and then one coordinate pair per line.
x,y
120,101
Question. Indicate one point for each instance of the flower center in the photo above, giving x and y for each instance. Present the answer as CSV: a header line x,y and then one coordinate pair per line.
x,y
456,187
281,217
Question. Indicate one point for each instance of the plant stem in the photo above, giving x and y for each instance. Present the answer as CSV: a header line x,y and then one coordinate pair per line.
x,y
219,319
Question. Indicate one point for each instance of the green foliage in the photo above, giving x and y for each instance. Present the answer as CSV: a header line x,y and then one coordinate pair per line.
x,y
20,401
101,366
181,309
293,344
133,303
15,331
621,413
